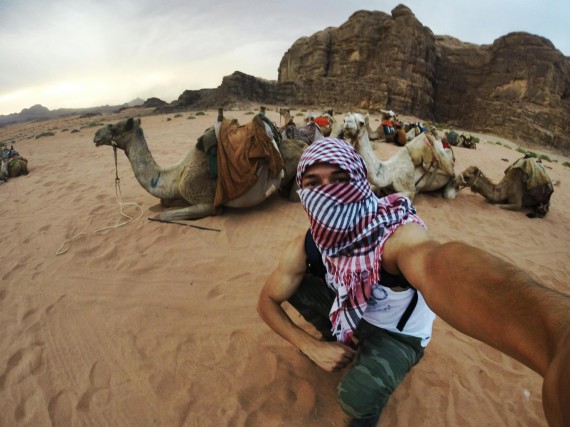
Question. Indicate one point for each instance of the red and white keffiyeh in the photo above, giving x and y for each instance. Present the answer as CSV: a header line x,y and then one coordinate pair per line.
x,y
350,226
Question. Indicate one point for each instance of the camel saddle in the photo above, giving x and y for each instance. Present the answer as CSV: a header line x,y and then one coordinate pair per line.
x,y
308,133
534,174
426,158
241,150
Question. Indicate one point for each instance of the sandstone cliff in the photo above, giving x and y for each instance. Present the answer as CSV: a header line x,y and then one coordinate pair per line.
x,y
518,87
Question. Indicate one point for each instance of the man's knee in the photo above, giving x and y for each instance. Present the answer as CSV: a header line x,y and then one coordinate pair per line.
x,y
361,396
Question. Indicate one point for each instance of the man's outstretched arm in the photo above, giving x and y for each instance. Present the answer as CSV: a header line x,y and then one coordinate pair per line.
x,y
495,302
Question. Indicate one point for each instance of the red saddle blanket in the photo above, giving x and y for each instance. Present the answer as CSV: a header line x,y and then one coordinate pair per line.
x,y
322,121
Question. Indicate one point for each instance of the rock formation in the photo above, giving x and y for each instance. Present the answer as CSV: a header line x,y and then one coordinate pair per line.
x,y
518,87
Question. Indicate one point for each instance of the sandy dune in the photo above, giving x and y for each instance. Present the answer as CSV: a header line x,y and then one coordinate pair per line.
x,y
155,324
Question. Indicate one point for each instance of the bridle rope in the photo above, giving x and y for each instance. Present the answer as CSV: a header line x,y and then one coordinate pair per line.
x,y
464,184
61,251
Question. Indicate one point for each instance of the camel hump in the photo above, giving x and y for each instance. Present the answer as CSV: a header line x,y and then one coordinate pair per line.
x,y
534,173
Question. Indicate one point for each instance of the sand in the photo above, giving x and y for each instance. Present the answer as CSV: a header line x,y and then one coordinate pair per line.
x,y
155,324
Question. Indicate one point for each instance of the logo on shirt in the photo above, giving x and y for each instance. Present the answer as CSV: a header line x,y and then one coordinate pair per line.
x,y
377,298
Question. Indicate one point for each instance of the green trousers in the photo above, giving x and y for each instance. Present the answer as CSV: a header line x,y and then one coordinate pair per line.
x,y
383,360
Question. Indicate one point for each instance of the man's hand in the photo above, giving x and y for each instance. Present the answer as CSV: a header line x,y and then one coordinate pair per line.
x,y
330,356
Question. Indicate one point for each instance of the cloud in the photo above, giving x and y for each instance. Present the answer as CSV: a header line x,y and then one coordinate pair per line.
x,y
74,53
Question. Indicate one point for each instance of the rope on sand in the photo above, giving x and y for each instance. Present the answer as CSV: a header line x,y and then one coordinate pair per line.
x,y
121,204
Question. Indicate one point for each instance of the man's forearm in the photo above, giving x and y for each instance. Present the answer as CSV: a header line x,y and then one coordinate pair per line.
x,y
273,314
495,302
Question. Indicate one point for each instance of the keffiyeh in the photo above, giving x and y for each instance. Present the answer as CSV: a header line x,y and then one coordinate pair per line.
x,y
350,226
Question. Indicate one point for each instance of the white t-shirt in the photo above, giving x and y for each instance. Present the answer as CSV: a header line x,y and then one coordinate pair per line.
x,y
386,307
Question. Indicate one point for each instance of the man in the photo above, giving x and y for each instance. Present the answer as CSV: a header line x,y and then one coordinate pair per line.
x,y
365,243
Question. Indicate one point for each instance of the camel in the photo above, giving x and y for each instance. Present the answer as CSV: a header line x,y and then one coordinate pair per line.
x,y
309,133
467,142
525,185
453,138
12,164
380,133
423,165
327,124
377,134
189,181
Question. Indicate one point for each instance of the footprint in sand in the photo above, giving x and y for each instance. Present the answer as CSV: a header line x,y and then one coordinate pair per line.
x,y
60,409
216,293
22,364
51,307
21,264
99,380
31,320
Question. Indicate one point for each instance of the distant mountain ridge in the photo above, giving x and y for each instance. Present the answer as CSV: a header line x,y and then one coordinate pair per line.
x,y
39,112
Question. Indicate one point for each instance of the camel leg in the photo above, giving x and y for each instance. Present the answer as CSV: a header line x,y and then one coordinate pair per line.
x,y
515,203
511,206
404,183
450,190
190,212
406,190
171,203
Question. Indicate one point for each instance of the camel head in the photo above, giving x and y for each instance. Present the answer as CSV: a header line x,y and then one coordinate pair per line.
x,y
353,126
118,134
469,177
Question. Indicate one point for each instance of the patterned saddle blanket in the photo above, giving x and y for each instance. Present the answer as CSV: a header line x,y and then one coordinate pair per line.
x,y
308,133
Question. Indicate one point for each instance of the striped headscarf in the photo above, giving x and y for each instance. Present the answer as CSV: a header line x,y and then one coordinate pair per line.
x,y
350,226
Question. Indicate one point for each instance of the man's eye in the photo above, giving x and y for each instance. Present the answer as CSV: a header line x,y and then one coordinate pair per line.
x,y
343,179
310,184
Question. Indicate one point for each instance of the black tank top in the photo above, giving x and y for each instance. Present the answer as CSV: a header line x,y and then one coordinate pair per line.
x,y
316,267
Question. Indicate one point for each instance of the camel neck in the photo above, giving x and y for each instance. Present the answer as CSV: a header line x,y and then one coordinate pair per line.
x,y
367,153
154,179
485,187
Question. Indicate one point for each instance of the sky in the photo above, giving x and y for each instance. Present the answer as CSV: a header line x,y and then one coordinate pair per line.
x,y
87,53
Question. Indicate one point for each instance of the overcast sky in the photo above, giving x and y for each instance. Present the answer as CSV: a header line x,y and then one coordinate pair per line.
x,y
85,53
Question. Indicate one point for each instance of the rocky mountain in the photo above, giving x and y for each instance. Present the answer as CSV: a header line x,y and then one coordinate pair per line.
x,y
39,112
518,87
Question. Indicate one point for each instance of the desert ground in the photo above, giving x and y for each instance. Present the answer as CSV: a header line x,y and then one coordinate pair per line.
x,y
108,321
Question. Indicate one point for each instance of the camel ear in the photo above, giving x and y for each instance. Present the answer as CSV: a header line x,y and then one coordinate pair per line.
x,y
130,124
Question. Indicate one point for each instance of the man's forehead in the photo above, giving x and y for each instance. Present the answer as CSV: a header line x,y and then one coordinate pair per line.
x,y
324,166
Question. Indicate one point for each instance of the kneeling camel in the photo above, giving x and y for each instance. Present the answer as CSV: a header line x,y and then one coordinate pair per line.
x,y
189,179
525,185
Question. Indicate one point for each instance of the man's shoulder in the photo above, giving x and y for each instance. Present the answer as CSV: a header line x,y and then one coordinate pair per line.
x,y
402,240
294,256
